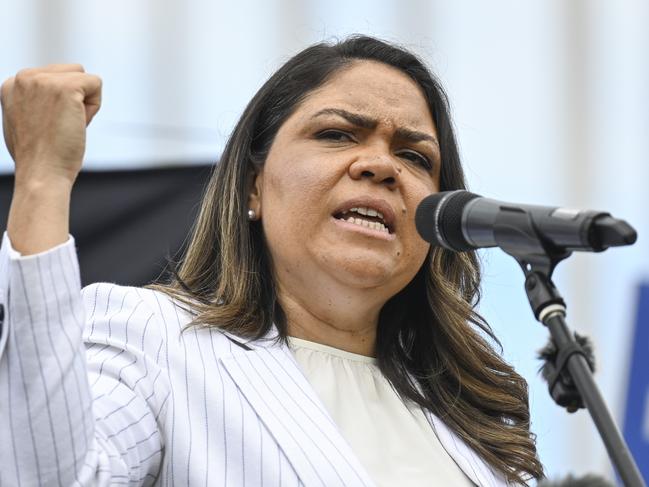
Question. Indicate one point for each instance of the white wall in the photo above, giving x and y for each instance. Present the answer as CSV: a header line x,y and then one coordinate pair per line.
x,y
551,104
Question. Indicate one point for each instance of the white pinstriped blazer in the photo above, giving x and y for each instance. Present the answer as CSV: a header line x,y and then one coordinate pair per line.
x,y
102,388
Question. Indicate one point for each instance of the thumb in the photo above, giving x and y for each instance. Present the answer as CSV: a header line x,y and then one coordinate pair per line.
x,y
92,88
91,111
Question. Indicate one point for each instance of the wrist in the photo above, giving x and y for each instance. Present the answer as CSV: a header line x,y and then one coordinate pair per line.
x,y
36,185
39,214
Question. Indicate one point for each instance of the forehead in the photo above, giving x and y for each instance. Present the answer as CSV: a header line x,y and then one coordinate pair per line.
x,y
374,89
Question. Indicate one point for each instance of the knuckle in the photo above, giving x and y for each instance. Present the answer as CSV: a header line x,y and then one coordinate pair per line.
x,y
6,87
24,75
63,67
47,84
58,88
39,82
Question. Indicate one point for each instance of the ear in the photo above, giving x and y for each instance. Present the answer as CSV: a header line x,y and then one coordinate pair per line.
x,y
254,193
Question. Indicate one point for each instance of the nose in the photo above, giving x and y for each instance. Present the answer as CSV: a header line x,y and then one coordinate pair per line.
x,y
378,168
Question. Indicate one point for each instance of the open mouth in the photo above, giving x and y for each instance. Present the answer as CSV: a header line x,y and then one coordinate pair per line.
x,y
366,217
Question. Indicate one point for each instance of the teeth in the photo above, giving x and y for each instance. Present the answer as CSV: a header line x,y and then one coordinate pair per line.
x,y
368,224
362,210
365,211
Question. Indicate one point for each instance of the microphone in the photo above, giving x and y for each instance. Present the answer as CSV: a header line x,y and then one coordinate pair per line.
x,y
460,221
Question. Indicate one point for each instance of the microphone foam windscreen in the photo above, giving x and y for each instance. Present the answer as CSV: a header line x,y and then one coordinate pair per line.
x,y
439,219
425,218
451,220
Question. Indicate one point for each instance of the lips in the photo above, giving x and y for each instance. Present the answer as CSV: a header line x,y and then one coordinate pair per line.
x,y
371,209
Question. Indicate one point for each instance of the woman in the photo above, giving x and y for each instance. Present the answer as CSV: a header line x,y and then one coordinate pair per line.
x,y
310,337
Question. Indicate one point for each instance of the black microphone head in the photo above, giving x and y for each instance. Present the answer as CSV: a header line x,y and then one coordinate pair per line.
x,y
439,219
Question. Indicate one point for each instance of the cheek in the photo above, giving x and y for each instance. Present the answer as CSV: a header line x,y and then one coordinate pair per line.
x,y
295,185
293,201
416,246
420,251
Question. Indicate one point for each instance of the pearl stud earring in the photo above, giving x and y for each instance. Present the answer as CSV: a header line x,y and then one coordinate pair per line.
x,y
252,215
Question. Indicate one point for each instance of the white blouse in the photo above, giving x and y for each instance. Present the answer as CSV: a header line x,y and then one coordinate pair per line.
x,y
393,440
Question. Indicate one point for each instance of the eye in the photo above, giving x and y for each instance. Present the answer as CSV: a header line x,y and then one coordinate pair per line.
x,y
334,135
417,158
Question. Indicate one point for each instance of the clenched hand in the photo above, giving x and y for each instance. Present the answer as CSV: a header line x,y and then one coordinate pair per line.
x,y
45,112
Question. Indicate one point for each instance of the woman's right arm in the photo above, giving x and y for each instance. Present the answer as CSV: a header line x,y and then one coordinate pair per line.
x,y
45,113
68,416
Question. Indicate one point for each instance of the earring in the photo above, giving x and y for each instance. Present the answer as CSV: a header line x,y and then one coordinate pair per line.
x,y
252,216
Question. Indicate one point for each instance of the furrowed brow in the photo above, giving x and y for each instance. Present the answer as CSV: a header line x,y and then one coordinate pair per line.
x,y
363,121
414,136
354,118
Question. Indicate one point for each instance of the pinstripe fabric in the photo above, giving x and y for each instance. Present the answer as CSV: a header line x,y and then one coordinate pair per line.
x,y
102,388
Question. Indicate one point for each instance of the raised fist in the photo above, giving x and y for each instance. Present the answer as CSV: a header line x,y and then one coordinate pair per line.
x,y
45,112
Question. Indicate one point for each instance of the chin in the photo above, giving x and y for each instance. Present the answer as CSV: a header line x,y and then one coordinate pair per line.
x,y
364,271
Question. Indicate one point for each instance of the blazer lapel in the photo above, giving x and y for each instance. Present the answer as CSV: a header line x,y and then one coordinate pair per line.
x,y
273,384
468,460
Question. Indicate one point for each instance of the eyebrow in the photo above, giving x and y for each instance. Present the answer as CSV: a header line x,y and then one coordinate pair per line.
x,y
366,122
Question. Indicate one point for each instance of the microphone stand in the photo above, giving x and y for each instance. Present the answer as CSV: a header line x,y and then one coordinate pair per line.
x,y
517,236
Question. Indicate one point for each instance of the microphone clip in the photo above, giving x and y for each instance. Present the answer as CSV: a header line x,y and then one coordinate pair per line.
x,y
516,234
560,384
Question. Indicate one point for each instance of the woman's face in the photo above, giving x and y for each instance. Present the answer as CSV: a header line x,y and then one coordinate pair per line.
x,y
339,189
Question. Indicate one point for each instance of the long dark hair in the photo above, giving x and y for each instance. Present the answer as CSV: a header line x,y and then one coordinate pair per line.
x,y
431,344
